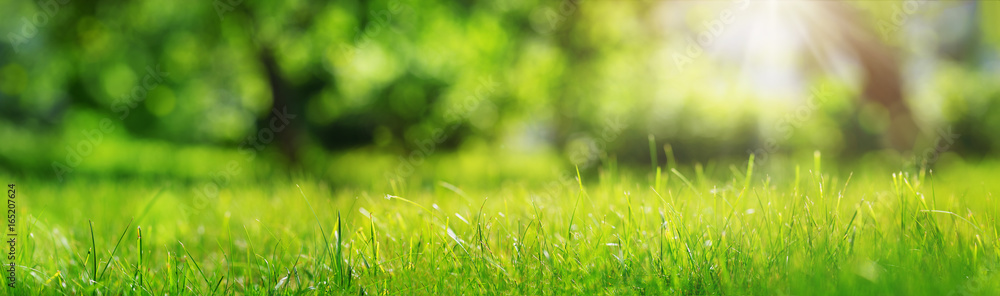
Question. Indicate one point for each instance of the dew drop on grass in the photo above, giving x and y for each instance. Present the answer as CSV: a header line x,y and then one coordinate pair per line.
x,y
462,218
453,236
281,282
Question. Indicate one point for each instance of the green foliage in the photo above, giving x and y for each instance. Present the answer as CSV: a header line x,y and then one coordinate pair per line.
x,y
386,75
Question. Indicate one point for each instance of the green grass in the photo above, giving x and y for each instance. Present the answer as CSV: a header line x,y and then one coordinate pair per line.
x,y
693,230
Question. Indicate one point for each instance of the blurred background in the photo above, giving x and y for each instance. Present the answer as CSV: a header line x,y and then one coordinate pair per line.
x,y
366,92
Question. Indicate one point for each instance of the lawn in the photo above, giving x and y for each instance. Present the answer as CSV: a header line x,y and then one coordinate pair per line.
x,y
687,230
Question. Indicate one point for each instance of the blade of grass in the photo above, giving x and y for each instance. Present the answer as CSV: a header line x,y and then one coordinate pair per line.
x,y
93,245
685,180
326,242
340,255
114,250
207,282
579,196
669,150
652,152
138,269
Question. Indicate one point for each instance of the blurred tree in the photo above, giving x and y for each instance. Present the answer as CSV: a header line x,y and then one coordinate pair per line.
x,y
385,75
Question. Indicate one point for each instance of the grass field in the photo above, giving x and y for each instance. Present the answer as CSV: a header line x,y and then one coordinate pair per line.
x,y
679,232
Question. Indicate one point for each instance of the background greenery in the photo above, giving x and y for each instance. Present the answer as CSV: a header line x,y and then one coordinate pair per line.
x,y
379,77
